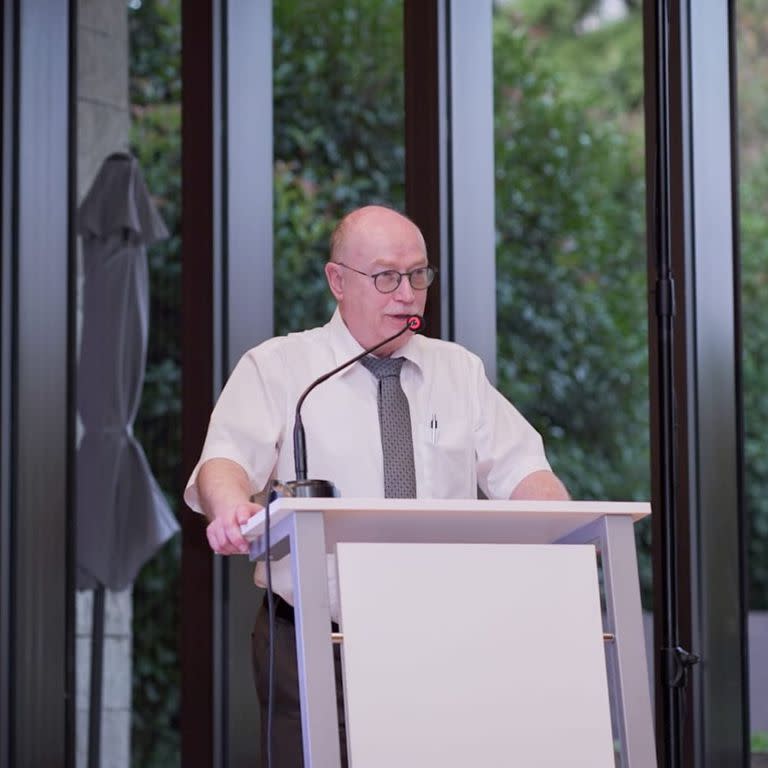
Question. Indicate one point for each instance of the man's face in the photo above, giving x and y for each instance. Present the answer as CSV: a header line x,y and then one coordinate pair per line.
x,y
377,240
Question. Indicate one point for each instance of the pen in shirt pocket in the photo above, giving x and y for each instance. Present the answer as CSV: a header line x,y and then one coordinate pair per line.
x,y
433,429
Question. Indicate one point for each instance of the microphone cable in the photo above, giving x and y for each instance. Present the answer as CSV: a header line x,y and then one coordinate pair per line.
x,y
270,632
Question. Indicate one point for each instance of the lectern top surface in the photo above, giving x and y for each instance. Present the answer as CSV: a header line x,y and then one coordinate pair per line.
x,y
357,519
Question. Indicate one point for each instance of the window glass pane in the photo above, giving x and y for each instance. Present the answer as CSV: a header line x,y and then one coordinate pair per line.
x,y
128,380
752,45
155,140
338,133
571,263
571,253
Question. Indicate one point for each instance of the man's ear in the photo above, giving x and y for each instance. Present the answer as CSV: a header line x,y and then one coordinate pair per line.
x,y
335,280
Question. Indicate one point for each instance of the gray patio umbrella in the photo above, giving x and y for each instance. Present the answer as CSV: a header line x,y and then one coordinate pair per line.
x,y
122,515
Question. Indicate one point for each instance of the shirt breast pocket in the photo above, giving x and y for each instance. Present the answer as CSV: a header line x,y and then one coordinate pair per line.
x,y
448,457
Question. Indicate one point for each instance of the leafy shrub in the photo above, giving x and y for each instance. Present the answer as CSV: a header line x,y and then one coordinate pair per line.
x,y
571,276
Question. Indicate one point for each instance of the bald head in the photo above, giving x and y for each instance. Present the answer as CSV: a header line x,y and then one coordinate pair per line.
x,y
369,218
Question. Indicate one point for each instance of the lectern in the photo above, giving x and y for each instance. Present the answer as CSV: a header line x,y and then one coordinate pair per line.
x,y
487,547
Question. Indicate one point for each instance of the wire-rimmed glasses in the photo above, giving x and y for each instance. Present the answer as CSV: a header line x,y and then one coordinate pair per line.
x,y
388,280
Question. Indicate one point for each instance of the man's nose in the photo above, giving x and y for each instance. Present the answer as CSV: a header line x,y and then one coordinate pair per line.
x,y
405,292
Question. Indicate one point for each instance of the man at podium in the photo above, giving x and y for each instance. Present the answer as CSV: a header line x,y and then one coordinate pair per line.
x,y
417,419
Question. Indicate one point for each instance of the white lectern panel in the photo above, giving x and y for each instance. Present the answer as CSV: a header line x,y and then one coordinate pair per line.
x,y
439,671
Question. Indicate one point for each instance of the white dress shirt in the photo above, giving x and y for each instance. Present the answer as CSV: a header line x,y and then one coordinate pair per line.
x,y
465,433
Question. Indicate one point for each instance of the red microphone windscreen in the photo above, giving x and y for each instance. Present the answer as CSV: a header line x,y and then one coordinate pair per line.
x,y
415,322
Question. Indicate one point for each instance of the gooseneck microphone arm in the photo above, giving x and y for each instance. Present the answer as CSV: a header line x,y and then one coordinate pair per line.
x,y
413,323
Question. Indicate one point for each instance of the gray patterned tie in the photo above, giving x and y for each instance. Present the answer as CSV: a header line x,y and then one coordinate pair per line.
x,y
395,425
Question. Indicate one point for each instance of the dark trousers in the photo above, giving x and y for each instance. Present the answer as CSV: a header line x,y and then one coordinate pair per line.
x,y
287,751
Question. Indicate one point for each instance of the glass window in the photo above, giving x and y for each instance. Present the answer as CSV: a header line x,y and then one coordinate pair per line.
x,y
751,45
128,380
338,136
155,140
571,264
571,252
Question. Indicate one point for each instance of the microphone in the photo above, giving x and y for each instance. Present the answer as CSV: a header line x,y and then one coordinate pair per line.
x,y
301,486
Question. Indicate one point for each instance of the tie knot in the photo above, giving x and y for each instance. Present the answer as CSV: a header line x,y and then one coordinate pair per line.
x,y
383,367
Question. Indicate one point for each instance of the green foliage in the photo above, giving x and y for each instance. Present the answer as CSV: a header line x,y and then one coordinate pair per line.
x,y
571,275
601,64
754,235
753,193
303,223
155,63
600,72
155,51
338,136
759,741
155,712
551,17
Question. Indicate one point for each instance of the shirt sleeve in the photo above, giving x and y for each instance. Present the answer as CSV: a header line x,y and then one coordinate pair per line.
x,y
247,423
508,448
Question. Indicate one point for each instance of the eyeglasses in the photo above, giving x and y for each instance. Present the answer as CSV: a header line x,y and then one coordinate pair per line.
x,y
388,281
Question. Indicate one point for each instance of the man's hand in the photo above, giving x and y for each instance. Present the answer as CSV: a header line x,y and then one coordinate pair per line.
x,y
224,492
224,531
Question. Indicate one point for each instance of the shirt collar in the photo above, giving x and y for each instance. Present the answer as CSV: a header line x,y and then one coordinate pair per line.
x,y
345,346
